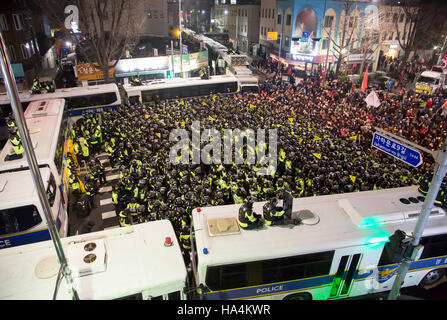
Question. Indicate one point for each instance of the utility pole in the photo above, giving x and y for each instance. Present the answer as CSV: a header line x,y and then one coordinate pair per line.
x,y
11,87
410,255
326,64
280,41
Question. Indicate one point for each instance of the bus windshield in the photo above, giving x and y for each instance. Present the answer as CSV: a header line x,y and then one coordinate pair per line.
x,y
426,79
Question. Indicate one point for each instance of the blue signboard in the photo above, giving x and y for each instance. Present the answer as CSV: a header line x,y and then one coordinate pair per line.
x,y
397,150
305,36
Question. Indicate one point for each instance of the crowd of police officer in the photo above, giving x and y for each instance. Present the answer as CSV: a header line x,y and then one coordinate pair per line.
x,y
311,159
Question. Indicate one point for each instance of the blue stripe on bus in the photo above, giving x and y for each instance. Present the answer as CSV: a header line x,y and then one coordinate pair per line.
x,y
383,273
25,238
259,291
29,237
95,109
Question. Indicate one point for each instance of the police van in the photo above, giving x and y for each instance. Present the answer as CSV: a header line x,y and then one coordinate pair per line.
x,y
430,81
22,219
48,130
342,249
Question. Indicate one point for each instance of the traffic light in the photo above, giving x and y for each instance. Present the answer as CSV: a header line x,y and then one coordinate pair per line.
x,y
317,39
299,39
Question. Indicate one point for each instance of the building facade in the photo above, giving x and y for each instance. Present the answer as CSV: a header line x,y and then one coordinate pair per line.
x,y
240,19
266,25
24,31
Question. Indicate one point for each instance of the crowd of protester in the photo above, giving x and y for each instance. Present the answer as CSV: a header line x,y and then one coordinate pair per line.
x,y
324,146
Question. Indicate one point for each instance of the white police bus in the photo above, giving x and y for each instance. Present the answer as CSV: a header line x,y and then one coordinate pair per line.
x,y
48,127
79,100
341,250
88,99
138,262
22,219
180,88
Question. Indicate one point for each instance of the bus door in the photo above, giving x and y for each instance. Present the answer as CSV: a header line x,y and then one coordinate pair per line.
x,y
345,271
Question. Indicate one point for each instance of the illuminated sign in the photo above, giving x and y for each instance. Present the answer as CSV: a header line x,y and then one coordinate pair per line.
x,y
88,71
301,57
142,64
272,35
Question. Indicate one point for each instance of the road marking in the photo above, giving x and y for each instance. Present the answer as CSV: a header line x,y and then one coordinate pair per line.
x,y
105,202
112,177
105,189
109,214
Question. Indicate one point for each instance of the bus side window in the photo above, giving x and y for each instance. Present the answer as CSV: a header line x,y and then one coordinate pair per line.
x,y
18,219
434,246
174,295
51,190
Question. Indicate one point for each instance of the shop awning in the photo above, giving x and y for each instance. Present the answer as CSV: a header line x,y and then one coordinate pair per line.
x,y
17,68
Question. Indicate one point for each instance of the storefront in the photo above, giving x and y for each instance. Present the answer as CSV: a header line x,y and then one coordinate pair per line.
x,y
19,75
145,68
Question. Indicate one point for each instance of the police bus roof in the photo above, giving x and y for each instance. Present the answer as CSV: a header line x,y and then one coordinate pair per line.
x,y
351,219
17,188
43,119
149,267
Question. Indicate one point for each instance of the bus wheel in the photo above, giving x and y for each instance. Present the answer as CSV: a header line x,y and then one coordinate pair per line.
x,y
298,296
432,278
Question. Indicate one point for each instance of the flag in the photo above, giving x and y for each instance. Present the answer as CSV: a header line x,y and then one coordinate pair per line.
x,y
183,123
204,103
252,106
158,135
214,98
291,120
317,155
292,113
147,116
180,103
390,84
317,138
301,140
352,178
372,99
365,81
211,118
353,138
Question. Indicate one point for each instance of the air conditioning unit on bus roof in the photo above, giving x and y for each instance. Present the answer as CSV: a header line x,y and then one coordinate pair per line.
x,y
87,258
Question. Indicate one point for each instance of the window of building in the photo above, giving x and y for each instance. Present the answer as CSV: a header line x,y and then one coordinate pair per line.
x,y
18,21
328,20
279,19
288,20
3,23
395,17
12,53
273,13
325,44
384,36
25,51
397,35
401,18
263,12
287,41
155,14
391,36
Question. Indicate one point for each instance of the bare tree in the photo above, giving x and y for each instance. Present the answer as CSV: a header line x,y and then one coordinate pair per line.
x,y
347,26
106,28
